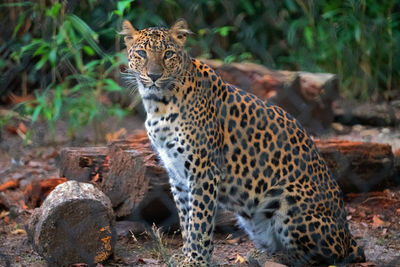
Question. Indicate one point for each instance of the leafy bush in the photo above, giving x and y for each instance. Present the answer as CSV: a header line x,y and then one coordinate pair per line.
x,y
72,70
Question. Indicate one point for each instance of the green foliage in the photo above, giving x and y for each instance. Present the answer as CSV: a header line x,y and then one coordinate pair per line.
x,y
69,50
80,71
357,39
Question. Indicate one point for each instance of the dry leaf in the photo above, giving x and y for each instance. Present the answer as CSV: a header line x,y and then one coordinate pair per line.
x,y
239,259
377,222
233,240
4,213
12,184
116,135
19,99
95,178
19,232
23,136
22,127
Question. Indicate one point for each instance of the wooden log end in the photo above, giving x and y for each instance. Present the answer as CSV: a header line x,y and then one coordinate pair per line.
x,y
75,224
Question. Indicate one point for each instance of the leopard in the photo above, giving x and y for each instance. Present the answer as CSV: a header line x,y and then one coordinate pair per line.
x,y
224,147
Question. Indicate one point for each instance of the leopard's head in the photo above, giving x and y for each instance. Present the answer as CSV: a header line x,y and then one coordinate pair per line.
x,y
157,56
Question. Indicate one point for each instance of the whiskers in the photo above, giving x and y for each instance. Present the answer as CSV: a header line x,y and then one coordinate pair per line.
x,y
129,79
168,83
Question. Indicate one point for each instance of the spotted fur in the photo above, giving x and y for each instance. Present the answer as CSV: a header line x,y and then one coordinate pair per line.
x,y
222,145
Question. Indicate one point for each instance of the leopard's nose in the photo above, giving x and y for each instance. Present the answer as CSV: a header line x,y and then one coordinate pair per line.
x,y
154,76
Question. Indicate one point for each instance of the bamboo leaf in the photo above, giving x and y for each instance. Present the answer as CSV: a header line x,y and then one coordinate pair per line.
x,y
112,85
86,32
308,34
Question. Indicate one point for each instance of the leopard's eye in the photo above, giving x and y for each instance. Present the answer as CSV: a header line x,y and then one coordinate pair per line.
x,y
168,54
141,53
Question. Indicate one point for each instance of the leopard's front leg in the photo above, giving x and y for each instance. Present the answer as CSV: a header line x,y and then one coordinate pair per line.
x,y
202,209
181,198
197,223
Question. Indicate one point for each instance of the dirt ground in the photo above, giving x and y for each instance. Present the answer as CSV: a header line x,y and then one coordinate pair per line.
x,y
374,218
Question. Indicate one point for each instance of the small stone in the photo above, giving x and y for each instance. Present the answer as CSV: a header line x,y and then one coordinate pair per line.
x,y
385,131
358,128
337,127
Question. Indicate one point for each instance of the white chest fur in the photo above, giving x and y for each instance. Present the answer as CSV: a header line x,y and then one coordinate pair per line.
x,y
166,139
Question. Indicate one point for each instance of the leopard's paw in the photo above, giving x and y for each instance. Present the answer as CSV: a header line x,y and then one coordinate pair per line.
x,y
179,259
176,260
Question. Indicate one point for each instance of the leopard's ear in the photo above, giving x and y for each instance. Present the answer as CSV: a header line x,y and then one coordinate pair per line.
x,y
179,31
129,31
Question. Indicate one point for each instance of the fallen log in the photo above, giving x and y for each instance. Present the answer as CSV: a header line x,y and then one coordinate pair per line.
x,y
138,186
359,166
133,179
75,224
90,162
385,114
126,175
307,96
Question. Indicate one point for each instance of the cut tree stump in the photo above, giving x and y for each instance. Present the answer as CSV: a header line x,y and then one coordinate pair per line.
x,y
138,186
75,224
306,96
